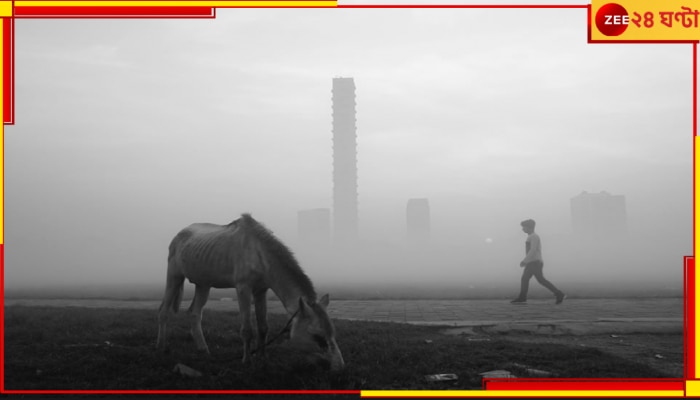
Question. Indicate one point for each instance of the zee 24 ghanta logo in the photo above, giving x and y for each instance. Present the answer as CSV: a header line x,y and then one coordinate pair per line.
x,y
613,19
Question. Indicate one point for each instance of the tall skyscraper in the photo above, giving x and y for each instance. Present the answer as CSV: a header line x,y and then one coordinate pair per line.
x,y
345,207
418,221
598,214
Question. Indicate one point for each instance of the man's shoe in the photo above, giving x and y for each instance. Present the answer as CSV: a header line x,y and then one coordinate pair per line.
x,y
518,301
560,298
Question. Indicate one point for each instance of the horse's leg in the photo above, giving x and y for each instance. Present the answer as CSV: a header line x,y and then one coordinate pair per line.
x,y
201,295
171,302
261,317
244,295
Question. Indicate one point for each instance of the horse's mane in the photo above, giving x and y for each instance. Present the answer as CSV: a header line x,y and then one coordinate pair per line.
x,y
278,252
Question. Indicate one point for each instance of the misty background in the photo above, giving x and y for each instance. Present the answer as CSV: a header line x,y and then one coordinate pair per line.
x,y
129,130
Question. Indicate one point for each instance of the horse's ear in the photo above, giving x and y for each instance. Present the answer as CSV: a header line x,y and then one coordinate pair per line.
x,y
324,301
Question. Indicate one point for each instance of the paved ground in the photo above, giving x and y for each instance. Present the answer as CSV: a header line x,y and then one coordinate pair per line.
x,y
574,316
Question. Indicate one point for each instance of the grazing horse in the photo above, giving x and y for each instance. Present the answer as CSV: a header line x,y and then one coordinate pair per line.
x,y
247,256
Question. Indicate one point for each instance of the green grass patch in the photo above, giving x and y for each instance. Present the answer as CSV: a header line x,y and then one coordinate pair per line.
x,y
114,349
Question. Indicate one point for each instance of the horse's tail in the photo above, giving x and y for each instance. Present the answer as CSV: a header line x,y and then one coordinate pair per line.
x,y
173,293
175,283
179,289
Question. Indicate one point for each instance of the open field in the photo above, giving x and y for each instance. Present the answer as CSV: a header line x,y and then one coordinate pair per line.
x,y
81,348
368,291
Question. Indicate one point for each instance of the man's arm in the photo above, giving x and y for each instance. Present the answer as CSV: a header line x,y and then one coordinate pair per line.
x,y
534,248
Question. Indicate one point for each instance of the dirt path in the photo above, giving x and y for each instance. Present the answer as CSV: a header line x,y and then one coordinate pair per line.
x,y
663,352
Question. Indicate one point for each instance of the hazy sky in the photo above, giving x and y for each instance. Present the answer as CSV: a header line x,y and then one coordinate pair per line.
x,y
128,130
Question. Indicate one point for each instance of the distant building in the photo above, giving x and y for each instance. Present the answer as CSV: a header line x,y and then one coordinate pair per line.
x,y
599,215
314,226
418,220
345,204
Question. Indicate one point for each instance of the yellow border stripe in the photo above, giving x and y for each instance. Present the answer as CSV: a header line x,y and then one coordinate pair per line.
x,y
5,8
692,388
136,3
516,393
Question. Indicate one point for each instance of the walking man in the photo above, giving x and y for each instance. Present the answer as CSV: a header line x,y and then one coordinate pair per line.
x,y
533,265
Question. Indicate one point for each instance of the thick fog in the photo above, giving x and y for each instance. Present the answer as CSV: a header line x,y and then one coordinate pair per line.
x,y
129,130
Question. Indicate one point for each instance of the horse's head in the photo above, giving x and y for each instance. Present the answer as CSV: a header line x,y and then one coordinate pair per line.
x,y
313,332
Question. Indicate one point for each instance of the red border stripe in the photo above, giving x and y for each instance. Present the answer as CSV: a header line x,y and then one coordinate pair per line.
x,y
583,384
184,392
8,65
689,320
113,11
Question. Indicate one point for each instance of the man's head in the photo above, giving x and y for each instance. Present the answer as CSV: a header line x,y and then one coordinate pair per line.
x,y
528,226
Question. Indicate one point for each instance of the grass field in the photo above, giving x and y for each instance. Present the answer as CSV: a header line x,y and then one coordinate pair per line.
x,y
80,348
365,291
